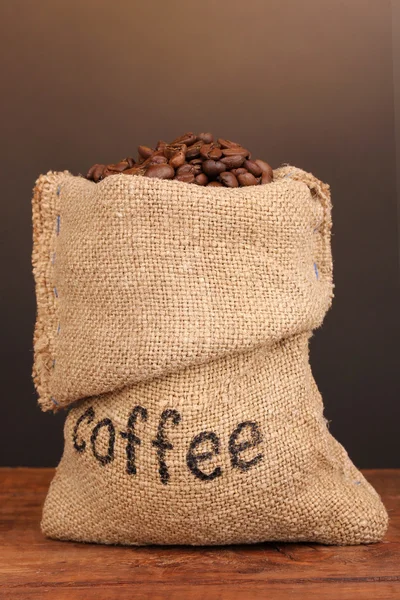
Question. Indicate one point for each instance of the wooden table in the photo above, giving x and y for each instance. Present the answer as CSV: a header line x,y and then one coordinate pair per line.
x,y
40,569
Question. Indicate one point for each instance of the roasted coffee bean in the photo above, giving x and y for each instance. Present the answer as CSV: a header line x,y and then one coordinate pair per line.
x,y
153,159
96,172
227,143
266,178
171,149
210,151
237,150
161,145
232,162
186,177
194,150
214,184
192,158
215,153
197,169
115,169
161,171
213,168
239,171
207,138
267,172
157,160
229,179
186,168
219,166
201,179
129,160
145,151
177,159
92,169
205,149
136,170
252,167
247,179
187,138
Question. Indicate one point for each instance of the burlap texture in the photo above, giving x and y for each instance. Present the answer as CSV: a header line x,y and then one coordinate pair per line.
x,y
176,319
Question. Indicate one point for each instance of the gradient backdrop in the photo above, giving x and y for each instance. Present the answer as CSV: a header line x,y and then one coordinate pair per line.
x,y
309,83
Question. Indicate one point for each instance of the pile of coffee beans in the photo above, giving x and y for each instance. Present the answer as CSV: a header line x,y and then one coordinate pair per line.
x,y
195,159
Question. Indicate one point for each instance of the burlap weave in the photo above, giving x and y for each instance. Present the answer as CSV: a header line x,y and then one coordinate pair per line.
x,y
175,320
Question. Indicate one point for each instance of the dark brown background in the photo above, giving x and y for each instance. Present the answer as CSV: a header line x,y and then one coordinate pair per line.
x,y
309,83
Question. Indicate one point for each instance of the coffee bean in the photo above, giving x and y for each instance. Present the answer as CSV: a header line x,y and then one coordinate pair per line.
x,y
207,138
186,177
205,149
213,168
197,169
227,143
151,160
238,150
239,171
220,166
215,153
266,178
145,151
171,149
177,159
157,160
136,170
201,179
192,158
194,150
96,172
266,169
247,179
229,179
187,138
186,168
210,151
130,161
233,162
99,173
161,171
114,169
252,167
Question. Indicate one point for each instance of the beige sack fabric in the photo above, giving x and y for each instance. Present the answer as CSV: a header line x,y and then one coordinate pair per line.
x,y
175,321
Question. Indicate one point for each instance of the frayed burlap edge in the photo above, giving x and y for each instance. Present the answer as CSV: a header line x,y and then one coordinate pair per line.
x,y
322,192
45,206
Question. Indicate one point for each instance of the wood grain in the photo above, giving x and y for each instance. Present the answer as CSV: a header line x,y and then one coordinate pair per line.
x,y
34,567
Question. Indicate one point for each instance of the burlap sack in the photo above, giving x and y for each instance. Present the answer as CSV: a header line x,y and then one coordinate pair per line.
x,y
175,320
